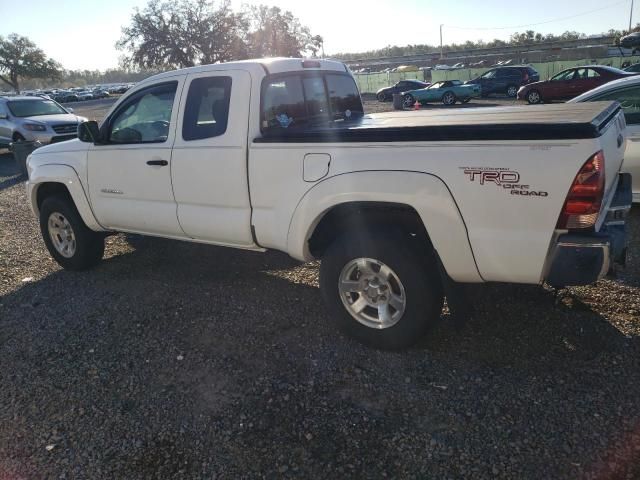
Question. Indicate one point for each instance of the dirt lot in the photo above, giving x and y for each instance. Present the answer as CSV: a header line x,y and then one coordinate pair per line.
x,y
178,360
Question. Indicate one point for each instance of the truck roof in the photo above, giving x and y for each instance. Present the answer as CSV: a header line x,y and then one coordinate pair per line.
x,y
526,122
265,65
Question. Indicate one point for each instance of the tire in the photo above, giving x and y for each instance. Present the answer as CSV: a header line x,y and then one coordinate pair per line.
x,y
381,97
449,98
408,101
86,247
17,137
534,97
466,100
418,283
512,91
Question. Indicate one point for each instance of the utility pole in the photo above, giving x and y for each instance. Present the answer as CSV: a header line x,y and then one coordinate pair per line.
x,y
442,25
630,17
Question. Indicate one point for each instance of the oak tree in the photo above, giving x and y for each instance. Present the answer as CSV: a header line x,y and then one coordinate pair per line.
x,y
20,58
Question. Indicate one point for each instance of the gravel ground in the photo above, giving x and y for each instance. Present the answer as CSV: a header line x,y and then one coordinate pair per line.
x,y
178,360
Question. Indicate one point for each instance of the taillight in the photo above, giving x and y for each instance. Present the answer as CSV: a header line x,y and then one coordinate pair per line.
x,y
583,202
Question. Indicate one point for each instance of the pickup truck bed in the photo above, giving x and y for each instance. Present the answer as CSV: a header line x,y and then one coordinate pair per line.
x,y
535,122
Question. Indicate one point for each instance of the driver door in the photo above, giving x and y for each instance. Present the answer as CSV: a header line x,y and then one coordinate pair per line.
x,y
129,175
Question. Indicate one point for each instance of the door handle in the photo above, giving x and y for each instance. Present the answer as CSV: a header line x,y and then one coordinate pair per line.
x,y
161,163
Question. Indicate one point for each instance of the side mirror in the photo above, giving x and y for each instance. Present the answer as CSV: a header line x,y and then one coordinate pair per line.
x,y
70,110
89,132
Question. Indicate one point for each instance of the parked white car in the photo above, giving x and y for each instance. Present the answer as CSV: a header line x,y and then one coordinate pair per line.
x,y
627,92
401,207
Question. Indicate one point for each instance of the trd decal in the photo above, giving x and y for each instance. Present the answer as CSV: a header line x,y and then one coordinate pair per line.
x,y
504,178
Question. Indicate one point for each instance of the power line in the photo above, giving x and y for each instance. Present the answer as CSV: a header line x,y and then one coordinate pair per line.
x,y
541,23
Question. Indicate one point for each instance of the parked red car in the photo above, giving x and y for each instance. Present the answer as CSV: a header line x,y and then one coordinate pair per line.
x,y
570,83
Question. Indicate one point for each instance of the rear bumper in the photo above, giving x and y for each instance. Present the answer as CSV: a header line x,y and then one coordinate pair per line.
x,y
584,258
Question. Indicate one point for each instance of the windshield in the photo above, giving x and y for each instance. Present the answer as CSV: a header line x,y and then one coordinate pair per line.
x,y
34,108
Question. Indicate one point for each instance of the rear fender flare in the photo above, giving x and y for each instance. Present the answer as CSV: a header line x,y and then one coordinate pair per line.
x,y
425,193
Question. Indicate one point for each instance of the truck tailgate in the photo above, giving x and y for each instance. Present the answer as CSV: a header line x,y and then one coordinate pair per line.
x,y
613,144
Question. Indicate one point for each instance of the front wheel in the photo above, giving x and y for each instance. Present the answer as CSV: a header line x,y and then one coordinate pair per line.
x,y
533,97
381,97
449,98
379,289
70,242
408,101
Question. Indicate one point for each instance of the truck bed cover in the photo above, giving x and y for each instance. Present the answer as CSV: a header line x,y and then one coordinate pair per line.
x,y
524,122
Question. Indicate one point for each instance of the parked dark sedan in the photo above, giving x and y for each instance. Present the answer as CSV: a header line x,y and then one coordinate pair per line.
x,y
630,41
402,86
570,83
505,80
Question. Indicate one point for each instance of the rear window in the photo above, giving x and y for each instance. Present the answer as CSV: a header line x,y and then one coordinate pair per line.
x,y
298,100
344,98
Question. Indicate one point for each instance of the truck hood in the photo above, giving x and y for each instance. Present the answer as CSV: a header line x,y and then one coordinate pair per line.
x,y
74,145
53,119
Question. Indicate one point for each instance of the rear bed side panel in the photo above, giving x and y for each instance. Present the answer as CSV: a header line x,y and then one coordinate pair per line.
x,y
509,233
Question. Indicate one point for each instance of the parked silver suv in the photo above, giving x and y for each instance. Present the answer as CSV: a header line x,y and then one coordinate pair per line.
x,y
36,118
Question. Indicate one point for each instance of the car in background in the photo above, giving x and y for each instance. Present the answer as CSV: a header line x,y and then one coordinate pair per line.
x,y
84,95
65,97
447,91
630,41
570,83
24,118
505,80
633,68
100,93
386,93
626,91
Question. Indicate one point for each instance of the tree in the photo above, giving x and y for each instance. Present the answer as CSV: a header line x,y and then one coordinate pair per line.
x,y
184,33
20,58
274,33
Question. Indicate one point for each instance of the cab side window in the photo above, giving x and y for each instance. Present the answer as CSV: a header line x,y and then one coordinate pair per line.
x,y
629,99
206,112
146,117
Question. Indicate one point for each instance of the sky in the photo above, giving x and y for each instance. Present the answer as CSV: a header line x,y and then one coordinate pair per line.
x,y
80,34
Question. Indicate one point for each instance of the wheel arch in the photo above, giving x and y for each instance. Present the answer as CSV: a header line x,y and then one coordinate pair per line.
x,y
48,180
407,200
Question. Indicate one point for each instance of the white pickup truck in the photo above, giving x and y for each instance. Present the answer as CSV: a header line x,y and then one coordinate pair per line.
x,y
401,207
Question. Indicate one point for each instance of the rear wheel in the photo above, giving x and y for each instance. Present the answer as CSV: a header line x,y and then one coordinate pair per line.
x,y
512,91
408,101
449,98
70,242
379,289
534,97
